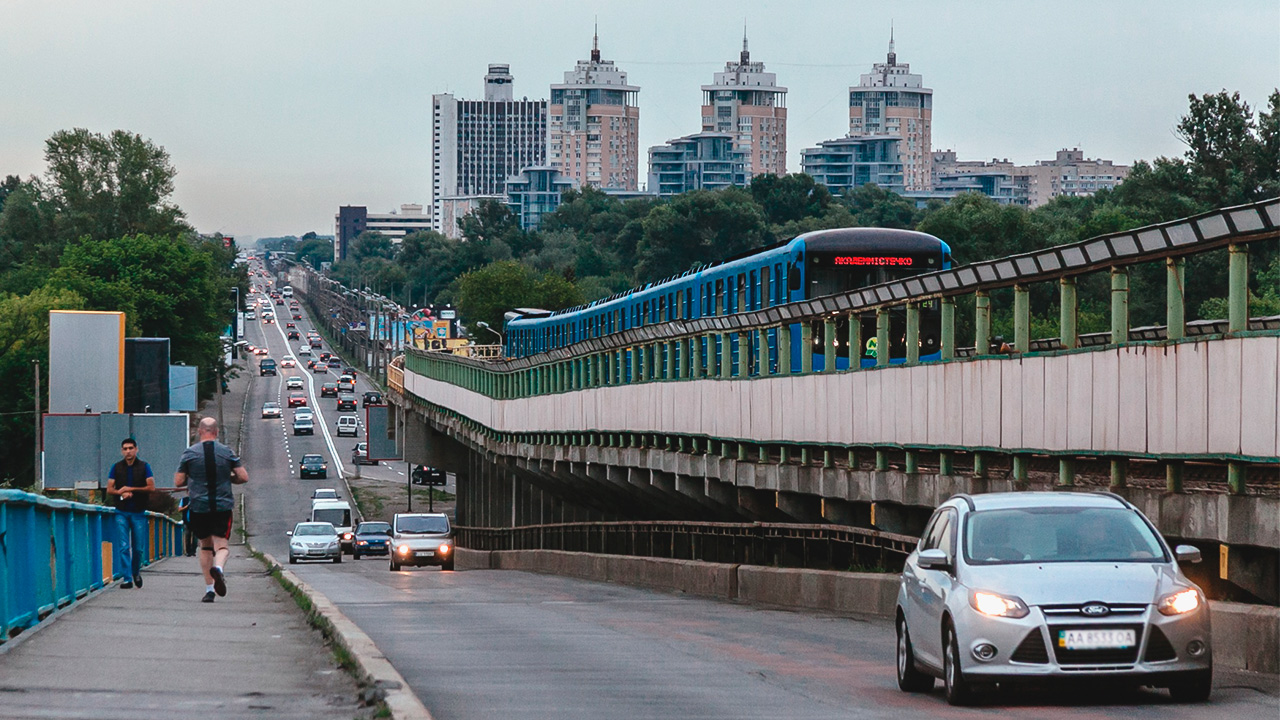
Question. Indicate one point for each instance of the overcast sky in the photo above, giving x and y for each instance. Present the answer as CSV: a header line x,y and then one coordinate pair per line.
x,y
276,113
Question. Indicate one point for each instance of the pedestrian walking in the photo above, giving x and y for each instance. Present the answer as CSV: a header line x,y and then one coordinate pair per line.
x,y
130,483
208,469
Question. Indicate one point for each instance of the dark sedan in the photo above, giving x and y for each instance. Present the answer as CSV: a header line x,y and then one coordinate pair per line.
x,y
313,466
371,539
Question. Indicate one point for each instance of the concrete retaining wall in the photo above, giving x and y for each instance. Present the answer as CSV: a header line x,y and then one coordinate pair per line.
x,y
1246,637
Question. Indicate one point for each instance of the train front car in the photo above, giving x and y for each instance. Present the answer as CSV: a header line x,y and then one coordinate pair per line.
x,y
837,261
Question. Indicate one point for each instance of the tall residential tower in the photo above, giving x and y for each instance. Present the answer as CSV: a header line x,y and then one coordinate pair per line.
x,y
477,144
891,100
593,129
746,102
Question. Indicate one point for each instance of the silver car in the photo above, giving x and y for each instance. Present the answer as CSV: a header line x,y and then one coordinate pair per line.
x,y
314,541
421,539
1032,586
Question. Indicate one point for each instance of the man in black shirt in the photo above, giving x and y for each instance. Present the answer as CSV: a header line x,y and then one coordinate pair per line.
x,y
130,482
211,468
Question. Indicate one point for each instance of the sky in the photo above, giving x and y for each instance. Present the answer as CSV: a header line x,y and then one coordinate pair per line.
x,y
277,113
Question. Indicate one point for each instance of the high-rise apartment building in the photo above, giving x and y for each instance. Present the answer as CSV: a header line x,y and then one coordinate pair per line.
x,y
706,161
593,129
851,162
746,102
1069,173
477,144
892,100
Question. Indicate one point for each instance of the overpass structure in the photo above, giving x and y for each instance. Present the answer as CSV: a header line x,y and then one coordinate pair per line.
x,y
1182,419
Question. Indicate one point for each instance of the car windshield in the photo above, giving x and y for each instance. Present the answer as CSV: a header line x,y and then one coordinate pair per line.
x,y
422,525
315,529
271,406
312,459
374,527
302,420
1059,534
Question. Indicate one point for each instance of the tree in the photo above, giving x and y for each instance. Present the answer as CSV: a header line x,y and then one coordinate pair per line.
x,y
371,244
11,183
313,251
874,206
486,294
789,198
698,227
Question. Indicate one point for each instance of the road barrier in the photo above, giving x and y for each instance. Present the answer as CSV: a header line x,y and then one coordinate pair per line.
x,y
55,552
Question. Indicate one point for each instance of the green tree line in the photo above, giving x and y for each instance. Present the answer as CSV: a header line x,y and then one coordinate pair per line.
x,y
99,231
594,245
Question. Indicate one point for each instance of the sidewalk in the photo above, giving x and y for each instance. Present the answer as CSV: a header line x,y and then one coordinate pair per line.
x,y
158,652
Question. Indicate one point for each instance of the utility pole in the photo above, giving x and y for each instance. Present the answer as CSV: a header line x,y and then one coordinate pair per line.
x,y
408,478
222,433
35,467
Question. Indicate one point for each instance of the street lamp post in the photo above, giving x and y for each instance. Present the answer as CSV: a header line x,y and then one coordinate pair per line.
x,y
485,326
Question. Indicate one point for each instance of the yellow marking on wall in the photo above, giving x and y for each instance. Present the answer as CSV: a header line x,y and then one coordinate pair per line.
x,y
1223,552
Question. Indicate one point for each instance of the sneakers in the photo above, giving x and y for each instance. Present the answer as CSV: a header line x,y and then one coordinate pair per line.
x,y
219,582
137,580
208,597
126,584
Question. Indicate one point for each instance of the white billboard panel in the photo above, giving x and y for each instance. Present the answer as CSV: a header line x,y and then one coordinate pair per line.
x,y
86,361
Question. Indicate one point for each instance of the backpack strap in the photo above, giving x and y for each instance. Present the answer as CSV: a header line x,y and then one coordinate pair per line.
x,y
211,475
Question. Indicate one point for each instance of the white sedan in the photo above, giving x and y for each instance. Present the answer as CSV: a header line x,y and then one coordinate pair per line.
x,y
289,361
293,383
304,349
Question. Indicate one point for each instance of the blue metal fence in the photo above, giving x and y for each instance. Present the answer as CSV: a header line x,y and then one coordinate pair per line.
x,y
54,552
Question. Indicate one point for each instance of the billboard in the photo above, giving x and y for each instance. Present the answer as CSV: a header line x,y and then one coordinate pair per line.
x,y
86,361
377,423
182,388
80,448
146,375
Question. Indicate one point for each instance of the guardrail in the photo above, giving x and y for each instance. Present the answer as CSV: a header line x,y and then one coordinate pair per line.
x,y
826,547
55,552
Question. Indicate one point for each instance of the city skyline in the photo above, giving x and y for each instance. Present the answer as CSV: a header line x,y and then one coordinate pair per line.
x,y
274,117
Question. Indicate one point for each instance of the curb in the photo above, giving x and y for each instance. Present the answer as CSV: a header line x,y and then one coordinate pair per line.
x,y
374,668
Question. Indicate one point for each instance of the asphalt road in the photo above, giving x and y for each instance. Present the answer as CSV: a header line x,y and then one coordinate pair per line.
x,y
490,644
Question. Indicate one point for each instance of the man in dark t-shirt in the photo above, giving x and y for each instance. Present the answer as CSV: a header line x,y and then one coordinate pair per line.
x,y
208,469
130,483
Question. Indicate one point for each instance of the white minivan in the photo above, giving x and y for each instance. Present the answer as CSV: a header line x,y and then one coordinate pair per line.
x,y
348,425
338,514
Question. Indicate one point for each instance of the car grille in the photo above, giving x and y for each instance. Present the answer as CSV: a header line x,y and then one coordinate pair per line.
x,y
1126,656
1031,650
1122,609
1159,648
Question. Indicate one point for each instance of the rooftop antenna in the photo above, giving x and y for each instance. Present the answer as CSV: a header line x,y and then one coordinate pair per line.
x,y
746,55
893,56
595,42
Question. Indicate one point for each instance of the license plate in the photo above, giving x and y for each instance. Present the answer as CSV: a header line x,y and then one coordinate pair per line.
x,y
1096,639
425,553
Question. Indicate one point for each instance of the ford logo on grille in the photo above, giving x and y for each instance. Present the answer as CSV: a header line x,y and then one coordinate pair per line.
x,y
1095,610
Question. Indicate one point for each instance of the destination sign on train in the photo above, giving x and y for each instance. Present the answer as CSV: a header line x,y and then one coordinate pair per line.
x,y
872,260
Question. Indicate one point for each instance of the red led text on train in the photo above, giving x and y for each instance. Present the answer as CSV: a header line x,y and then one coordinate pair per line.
x,y
874,260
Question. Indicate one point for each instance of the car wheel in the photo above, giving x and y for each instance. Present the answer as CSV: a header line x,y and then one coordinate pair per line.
x,y
958,690
910,679
1192,687
447,564
337,558
355,555
293,561
394,566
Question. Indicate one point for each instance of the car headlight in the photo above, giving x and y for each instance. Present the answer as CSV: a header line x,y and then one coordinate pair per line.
x,y
403,549
1179,603
362,542
444,549
346,536
996,605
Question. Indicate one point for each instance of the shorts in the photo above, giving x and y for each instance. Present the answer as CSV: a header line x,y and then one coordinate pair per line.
x,y
207,524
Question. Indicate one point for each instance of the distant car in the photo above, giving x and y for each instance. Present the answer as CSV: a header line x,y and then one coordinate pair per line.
x,y
348,370
288,361
320,367
271,410
294,383
347,377
329,389
335,362
267,320
360,455
315,341
293,335
313,466
304,426
250,315
297,399
421,539
345,386
372,398
279,301
324,494
348,425
266,366
371,538
346,401
304,349
297,316
260,351
289,325
325,356
314,541
303,413
1044,586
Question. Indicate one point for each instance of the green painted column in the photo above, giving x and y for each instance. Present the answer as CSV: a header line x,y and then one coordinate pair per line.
x,y
1238,288
1021,318
946,464
619,367
635,363
882,460
695,356
882,337
913,462
742,452
1068,313
1119,472
804,455
784,455
1173,476
981,323
762,352
1119,305
913,333
1020,466
784,349
685,345
828,345
855,342
806,347
1175,298
979,465
726,355
827,462
1236,473
948,319
1066,472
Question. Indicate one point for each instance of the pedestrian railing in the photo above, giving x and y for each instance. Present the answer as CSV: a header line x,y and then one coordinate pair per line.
x,y
55,552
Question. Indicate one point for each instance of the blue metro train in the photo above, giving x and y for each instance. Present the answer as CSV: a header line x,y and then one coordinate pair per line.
x,y
824,262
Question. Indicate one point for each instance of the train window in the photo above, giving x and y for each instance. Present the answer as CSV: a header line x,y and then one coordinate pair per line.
x,y
778,278
794,275
740,304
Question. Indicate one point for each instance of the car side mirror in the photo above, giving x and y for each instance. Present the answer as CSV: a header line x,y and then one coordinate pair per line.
x,y
933,559
288,532
1187,554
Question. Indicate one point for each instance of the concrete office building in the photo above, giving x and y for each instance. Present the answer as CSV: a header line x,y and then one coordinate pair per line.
x,y
535,192
851,162
593,129
352,220
892,100
705,161
453,208
477,144
746,102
